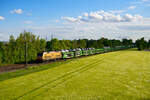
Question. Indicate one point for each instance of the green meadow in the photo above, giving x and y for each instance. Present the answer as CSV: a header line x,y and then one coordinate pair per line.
x,y
120,75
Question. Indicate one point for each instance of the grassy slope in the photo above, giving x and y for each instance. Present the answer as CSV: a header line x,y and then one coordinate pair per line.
x,y
117,75
29,70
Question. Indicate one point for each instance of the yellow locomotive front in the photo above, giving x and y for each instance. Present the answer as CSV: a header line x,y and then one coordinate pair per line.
x,y
53,55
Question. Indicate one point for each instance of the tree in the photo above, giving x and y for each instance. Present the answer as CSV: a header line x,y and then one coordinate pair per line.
x,y
148,44
48,46
100,43
127,42
74,44
105,42
14,50
81,43
11,50
92,44
1,51
42,45
55,44
141,44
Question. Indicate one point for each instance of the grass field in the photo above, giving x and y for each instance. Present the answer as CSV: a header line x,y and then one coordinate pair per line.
x,y
121,75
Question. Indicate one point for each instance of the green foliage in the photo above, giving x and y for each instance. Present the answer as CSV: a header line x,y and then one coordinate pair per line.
x,y
81,43
74,44
127,42
92,44
14,50
55,44
1,52
65,44
105,41
100,43
142,44
148,44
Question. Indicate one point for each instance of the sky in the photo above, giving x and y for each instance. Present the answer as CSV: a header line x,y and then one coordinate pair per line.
x,y
75,19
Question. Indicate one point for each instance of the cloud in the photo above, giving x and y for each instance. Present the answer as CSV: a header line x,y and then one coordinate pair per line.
x,y
132,30
145,0
28,22
130,18
111,25
137,2
16,11
29,14
70,19
132,7
102,16
95,15
132,27
117,11
148,5
3,37
2,18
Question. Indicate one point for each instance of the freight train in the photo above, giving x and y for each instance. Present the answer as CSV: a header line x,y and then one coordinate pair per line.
x,y
73,53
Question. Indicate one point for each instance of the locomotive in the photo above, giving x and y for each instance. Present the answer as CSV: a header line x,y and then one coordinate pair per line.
x,y
73,53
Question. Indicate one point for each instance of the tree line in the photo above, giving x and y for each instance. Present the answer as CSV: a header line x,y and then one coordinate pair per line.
x,y
57,45
13,51
142,44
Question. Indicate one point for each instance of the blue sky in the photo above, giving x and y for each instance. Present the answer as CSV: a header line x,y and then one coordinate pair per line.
x,y
74,19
